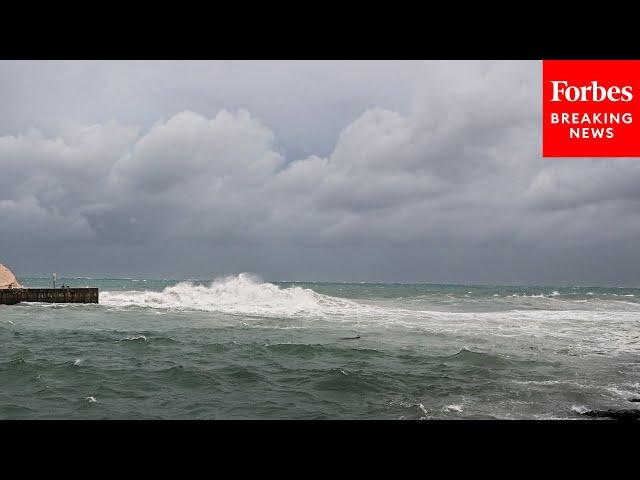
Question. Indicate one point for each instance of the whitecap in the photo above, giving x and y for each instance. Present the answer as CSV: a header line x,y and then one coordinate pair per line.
x,y
586,325
134,338
621,392
452,408
579,409
241,294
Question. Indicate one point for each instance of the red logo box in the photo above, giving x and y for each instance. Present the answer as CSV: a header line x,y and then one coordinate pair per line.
x,y
591,108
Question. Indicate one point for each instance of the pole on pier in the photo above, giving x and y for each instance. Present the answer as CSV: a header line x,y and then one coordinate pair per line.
x,y
54,275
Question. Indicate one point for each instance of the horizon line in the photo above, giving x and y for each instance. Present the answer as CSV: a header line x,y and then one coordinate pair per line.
x,y
352,282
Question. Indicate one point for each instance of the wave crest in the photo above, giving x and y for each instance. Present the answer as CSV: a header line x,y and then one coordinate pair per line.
x,y
242,294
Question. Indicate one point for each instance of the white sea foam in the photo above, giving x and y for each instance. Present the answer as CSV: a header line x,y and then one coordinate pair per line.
x,y
622,392
242,294
134,338
452,408
579,409
91,399
543,382
596,327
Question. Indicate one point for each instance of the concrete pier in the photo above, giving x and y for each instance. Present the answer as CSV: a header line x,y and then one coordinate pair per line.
x,y
48,295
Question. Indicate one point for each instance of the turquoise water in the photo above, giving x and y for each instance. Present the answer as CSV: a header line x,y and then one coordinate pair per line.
x,y
242,348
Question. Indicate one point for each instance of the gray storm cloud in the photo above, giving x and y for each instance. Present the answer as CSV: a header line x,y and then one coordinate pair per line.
x,y
434,174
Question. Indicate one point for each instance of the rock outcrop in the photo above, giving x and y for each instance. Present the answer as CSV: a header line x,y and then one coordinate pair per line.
x,y
630,414
8,279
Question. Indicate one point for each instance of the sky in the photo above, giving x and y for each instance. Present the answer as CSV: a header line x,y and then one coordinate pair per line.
x,y
381,171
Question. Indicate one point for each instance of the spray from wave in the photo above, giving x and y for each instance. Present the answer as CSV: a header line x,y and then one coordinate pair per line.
x,y
242,294
582,331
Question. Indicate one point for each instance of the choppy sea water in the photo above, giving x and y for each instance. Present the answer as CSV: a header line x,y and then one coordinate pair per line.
x,y
242,348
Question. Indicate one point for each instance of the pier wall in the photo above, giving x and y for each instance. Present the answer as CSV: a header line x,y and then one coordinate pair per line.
x,y
49,295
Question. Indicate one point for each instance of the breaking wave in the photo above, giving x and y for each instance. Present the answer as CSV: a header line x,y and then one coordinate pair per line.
x,y
580,332
242,294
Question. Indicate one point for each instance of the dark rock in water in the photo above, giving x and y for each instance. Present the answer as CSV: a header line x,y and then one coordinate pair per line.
x,y
631,414
634,399
351,338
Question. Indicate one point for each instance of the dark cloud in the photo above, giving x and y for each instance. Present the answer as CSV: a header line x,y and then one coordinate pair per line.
x,y
403,171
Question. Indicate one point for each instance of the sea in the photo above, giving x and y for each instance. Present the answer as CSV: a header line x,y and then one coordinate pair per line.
x,y
240,347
